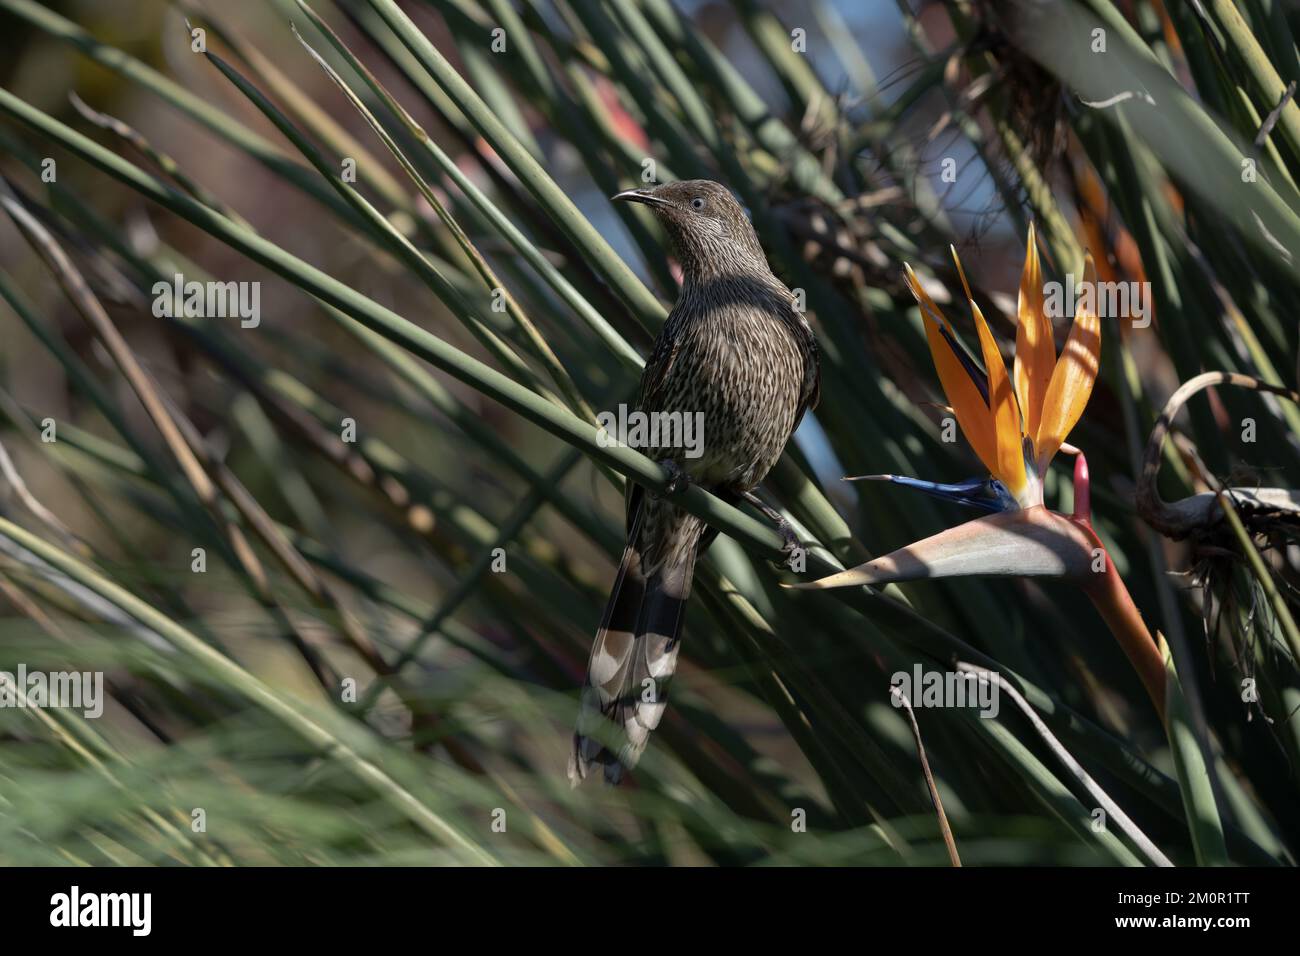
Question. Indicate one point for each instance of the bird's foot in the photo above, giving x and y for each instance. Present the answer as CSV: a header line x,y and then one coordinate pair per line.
x,y
795,556
792,548
678,479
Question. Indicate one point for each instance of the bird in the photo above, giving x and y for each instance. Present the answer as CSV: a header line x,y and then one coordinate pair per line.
x,y
736,348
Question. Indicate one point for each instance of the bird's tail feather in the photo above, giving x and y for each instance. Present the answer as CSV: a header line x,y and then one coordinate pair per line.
x,y
635,652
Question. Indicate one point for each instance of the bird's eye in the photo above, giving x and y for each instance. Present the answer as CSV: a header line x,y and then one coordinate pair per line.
x,y
697,203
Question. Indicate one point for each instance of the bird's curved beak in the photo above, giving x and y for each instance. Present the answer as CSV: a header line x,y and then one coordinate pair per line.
x,y
641,196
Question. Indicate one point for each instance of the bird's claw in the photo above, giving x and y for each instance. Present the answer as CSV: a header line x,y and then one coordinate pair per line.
x,y
795,556
678,479
792,549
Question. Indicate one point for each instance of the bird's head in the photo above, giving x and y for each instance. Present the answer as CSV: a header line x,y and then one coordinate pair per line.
x,y
709,229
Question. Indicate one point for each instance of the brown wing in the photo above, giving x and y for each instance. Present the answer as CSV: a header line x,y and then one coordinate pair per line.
x,y
650,393
811,393
657,365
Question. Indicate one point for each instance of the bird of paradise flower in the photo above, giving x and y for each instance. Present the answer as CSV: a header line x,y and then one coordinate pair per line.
x,y
1016,425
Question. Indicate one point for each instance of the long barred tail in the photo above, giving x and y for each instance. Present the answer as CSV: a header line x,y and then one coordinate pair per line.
x,y
635,652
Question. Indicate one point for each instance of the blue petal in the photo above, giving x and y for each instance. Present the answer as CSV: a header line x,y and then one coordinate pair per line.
x,y
987,494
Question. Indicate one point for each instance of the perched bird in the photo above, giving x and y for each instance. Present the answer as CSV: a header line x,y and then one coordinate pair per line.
x,y
736,349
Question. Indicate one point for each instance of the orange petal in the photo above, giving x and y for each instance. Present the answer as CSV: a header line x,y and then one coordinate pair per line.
x,y
1073,378
1009,467
1035,348
967,403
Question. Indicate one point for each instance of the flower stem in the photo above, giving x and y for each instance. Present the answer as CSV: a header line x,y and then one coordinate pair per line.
x,y
1111,598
